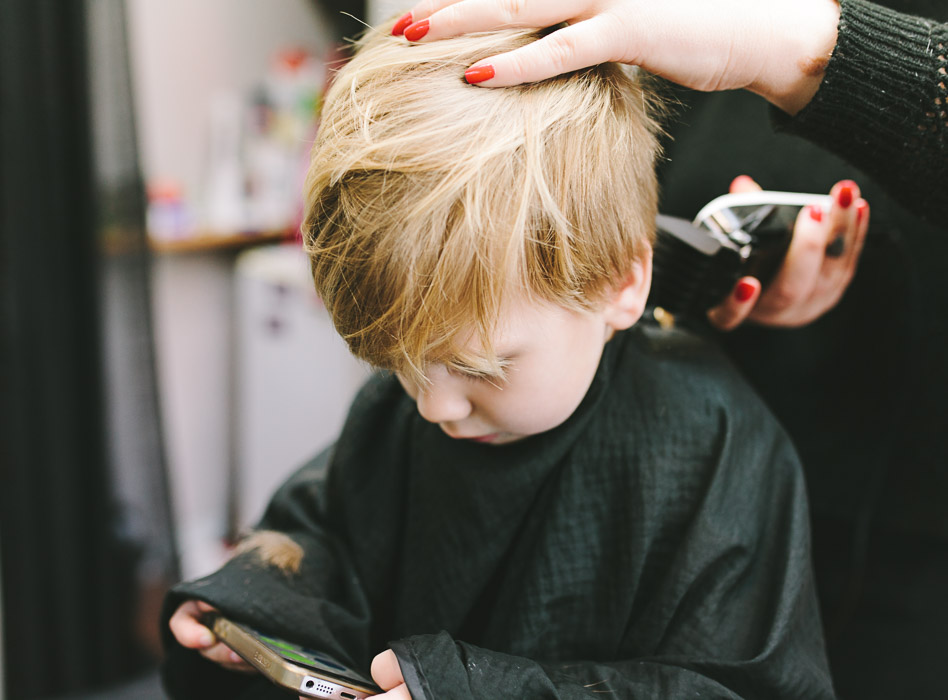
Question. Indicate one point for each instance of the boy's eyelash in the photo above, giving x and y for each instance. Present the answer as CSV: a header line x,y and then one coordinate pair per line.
x,y
475,375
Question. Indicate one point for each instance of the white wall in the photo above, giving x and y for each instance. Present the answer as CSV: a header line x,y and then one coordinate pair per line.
x,y
185,53
295,376
192,317
380,10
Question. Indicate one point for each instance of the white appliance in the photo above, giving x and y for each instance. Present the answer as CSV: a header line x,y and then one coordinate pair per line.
x,y
294,376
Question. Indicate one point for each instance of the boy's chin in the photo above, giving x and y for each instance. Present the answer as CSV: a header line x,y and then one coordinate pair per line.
x,y
489,438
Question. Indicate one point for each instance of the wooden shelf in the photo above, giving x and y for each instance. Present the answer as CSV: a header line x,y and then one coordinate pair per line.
x,y
205,241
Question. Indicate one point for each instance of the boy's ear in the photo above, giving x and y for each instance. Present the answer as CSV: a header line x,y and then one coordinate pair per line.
x,y
627,302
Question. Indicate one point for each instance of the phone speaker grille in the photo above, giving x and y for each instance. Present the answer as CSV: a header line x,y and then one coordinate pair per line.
x,y
317,687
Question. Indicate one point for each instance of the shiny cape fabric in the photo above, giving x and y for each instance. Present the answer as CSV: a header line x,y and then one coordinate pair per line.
x,y
656,544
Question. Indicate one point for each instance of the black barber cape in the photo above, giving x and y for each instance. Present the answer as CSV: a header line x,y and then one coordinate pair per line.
x,y
655,545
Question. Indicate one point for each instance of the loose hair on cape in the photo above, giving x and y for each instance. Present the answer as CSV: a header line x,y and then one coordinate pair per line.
x,y
429,201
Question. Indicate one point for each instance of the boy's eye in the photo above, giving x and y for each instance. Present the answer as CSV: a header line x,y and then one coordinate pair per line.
x,y
469,374
474,375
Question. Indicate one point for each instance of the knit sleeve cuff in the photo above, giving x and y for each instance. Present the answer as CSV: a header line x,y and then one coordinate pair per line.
x,y
885,76
883,104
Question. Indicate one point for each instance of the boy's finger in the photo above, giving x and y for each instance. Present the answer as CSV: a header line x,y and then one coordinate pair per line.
x,y
734,310
399,692
568,49
385,670
223,655
187,629
220,654
204,607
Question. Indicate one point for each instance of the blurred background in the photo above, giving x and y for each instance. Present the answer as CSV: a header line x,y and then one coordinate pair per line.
x,y
164,362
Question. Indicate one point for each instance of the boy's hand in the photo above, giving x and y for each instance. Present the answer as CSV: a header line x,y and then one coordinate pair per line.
x,y
387,674
819,265
187,628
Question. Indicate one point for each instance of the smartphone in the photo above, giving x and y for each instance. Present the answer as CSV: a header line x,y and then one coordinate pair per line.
x,y
304,671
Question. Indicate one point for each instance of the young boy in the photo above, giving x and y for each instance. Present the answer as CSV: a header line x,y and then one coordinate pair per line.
x,y
538,498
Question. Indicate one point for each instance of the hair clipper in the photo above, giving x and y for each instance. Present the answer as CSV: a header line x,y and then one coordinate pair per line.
x,y
696,264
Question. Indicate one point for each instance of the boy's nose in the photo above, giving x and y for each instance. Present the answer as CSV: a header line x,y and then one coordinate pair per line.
x,y
444,399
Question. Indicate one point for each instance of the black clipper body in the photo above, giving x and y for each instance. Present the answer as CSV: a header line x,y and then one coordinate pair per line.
x,y
696,265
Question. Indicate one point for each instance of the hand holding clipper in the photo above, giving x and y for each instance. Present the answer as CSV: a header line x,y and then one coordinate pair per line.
x,y
801,249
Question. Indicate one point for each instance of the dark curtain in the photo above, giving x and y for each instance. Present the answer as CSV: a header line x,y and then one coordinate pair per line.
x,y
348,16
85,533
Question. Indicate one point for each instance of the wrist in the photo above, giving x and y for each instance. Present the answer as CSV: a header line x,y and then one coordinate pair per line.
x,y
804,37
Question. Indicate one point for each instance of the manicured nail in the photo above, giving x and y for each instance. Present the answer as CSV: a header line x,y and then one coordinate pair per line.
x,y
845,194
836,248
401,24
479,74
417,30
744,291
816,213
862,208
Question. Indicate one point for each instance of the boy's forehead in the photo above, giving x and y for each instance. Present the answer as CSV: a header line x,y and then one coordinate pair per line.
x,y
522,321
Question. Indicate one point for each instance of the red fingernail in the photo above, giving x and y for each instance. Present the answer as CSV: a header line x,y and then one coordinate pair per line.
x,y
845,194
479,74
816,213
401,24
744,291
417,30
862,207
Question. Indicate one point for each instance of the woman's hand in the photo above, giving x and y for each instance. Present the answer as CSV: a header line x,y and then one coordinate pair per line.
x,y
187,628
776,48
819,265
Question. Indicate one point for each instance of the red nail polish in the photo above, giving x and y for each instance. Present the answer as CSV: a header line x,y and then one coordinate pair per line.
x,y
845,194
816,213
744,291
417,30
401,24
479,74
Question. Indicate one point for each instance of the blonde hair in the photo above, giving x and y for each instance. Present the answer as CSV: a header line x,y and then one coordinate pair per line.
x,y
430,201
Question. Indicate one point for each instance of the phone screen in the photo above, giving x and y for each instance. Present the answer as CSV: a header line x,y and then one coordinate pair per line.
x,y
311,658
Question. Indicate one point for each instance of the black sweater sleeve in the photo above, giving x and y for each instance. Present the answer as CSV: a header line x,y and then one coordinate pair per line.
x,y
883,103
